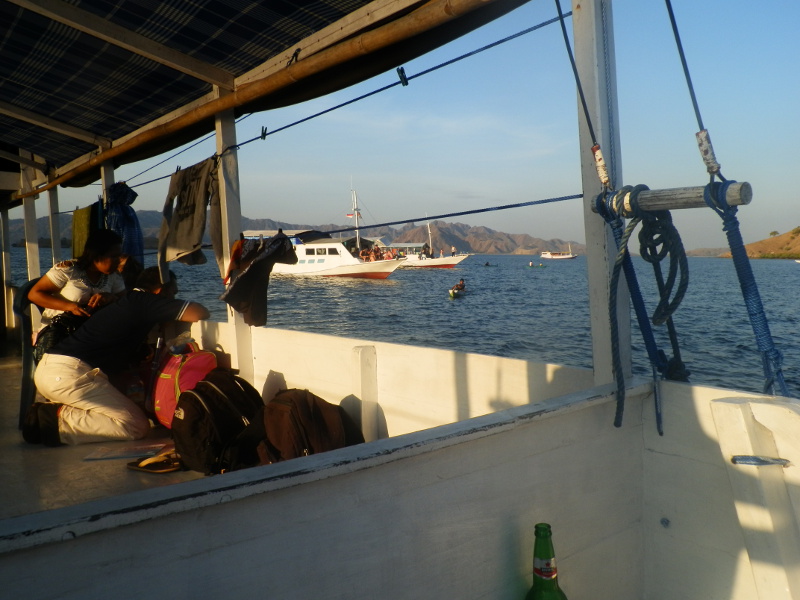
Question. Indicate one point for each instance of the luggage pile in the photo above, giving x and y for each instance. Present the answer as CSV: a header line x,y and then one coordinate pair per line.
x,y
220,423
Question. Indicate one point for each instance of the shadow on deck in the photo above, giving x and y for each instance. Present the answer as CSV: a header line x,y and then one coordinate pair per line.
x,y
37,478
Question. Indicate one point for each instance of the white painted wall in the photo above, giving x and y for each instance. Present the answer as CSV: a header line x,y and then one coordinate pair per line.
x,y
415,388
444,513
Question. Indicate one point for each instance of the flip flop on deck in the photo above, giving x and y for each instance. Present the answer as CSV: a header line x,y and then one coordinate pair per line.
x,y
164,462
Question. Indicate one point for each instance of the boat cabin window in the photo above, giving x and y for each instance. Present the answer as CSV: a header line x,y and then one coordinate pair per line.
x,y
320,250
333,251
310,252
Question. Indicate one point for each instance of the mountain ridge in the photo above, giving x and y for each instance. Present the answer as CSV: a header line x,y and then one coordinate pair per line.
x,y
466,238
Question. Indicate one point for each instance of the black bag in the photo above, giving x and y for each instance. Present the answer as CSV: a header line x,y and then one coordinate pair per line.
x,y
216,426
63,325
298,423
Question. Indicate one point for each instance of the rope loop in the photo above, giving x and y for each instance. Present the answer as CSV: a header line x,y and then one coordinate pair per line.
x,y
631,198
658,240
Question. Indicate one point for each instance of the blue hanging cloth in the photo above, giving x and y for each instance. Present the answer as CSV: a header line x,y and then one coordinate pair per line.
x,y
122,219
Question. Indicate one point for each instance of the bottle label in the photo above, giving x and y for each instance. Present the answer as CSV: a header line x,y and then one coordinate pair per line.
x,y
544,568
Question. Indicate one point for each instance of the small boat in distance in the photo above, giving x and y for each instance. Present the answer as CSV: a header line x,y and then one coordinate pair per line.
x,y
458,290
423,255
419,255
559,255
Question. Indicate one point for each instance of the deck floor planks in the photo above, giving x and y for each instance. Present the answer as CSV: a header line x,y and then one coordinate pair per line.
x,y
38,478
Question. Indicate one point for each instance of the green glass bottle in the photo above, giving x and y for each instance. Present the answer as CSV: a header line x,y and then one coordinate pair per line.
x,y
545,574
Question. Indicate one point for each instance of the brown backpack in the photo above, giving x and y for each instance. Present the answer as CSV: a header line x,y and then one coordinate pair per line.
x,y
298,423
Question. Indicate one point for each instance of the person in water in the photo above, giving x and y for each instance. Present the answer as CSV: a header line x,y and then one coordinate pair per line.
x,y
460,286
83,406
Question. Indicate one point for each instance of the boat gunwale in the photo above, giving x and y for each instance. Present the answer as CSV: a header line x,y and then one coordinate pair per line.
x,y
67,523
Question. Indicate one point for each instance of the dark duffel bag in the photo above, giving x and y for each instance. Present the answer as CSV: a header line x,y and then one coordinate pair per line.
x,y
217,424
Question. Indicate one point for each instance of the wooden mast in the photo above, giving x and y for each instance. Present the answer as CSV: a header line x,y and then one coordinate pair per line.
x,y
594,57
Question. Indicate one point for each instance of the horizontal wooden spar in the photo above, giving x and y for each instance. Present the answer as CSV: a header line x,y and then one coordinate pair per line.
x,y
739,194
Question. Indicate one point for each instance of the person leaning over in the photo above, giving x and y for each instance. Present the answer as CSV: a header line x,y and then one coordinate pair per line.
x,y
81,285
83,405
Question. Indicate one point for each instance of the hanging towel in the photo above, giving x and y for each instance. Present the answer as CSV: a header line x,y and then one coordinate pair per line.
x,y
184,222
84,221
122,219
248,292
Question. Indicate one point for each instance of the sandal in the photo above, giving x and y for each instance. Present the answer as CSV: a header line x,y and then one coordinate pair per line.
x,y
160,463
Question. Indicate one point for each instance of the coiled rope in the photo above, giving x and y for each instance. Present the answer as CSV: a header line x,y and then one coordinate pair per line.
x,y
658,239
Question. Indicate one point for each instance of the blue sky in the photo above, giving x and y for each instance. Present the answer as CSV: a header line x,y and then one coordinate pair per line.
x,y
501,128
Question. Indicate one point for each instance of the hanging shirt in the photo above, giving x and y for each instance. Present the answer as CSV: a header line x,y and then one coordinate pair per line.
x,y
248,292
181,236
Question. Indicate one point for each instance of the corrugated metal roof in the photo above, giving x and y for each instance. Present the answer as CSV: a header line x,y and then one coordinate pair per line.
x,y
80,78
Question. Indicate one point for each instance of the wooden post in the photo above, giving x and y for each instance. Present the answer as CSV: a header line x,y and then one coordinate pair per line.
x,y
55,224
27,177
231,225
107,178
594,57
8,294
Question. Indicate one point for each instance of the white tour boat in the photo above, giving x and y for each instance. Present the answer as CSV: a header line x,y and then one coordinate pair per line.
x,y
321,255
423,255
464,452
559,255
419,256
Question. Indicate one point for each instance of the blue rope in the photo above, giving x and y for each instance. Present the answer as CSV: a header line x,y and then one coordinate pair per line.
x,y
657,231
459,213
771,357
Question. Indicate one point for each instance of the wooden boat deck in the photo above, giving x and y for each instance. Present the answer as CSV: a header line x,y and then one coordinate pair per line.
x,y
62,475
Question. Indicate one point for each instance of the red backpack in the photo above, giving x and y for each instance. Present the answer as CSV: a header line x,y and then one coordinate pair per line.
x,y
179,372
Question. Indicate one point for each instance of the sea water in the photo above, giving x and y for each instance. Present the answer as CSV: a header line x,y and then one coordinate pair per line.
x,y
536,313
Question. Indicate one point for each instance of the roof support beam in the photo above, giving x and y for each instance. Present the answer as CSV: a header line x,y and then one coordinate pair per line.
x,y
53,125
428,16
23,160
107,31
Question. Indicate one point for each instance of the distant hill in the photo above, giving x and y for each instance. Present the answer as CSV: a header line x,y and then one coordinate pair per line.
x,y
478,240
786,245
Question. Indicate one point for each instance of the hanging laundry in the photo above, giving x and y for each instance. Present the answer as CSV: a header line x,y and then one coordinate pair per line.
x,y
248,292
84,221
121,218
181,236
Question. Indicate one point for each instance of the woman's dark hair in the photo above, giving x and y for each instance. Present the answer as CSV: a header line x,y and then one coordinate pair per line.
x,y
130,269
98,244
150,279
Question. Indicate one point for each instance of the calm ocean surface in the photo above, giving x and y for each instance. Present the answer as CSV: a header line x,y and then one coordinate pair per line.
x,y
516,311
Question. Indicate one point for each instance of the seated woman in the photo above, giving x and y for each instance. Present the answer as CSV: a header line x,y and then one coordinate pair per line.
x,y
81,285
